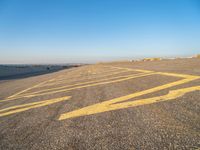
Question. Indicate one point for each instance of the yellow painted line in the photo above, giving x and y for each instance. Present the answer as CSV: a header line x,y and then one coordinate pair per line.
x,y
37,85
177,75
139,70
161,73
111,74
90,85
111,105
79,87
62,79
25,107
82,83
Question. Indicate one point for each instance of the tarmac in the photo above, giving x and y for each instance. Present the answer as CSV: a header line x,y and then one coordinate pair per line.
x,y
149,105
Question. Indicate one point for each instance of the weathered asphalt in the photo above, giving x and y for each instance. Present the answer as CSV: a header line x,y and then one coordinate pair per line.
x,y
95,107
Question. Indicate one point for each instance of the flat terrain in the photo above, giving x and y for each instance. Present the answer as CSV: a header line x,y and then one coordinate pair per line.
x,y
122,105
12,71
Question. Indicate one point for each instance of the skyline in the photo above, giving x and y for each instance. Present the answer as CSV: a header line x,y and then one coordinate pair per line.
x,y
93,31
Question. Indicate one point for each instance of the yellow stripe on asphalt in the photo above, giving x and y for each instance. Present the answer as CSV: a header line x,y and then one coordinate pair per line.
x,y
37,85
111,104
79,87
63,78
88,82
102,76
25,107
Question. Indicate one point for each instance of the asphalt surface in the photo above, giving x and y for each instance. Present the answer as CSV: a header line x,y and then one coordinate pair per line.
x,y
122,105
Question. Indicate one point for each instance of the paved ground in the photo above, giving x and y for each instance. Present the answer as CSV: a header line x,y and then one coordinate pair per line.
x,y
123,105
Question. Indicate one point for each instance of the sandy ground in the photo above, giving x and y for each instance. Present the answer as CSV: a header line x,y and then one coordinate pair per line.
x,y
120,105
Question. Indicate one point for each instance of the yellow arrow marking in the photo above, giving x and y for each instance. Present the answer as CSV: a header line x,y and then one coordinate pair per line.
x,y
110,104
113,104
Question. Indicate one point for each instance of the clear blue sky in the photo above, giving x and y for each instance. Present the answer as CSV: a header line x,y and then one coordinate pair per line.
x,y
62,31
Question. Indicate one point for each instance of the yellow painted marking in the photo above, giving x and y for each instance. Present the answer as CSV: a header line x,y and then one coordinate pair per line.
x,y
188,79
79,87
88,82
82,79
161,73
177,75
111,104
62,79
96,73
111,74
37,85
24,107
139,70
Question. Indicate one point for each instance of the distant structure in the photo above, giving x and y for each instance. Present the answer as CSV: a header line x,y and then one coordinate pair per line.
x,y
151,59
158,59
148,59
196,56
